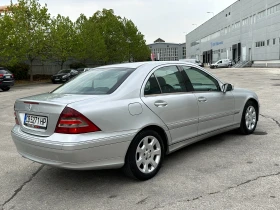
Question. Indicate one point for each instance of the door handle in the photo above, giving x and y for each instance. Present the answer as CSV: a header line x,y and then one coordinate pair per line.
x,y
160,103
202,99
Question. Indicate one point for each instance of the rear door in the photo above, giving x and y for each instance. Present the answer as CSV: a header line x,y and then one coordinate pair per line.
x,y
168,97
216,109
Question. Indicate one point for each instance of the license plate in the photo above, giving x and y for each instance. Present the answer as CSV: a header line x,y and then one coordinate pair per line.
x,y
56,79
7,77
34,121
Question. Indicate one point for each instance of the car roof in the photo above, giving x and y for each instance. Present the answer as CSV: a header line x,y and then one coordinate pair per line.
x,y
146,64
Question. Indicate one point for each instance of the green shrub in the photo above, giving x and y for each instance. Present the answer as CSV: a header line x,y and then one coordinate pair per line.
x,y
77,65
20,71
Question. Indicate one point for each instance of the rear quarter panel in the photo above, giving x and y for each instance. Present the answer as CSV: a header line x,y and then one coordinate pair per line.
x,y
114,116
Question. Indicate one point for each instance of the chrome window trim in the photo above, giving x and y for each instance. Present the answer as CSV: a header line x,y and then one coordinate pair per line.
x,y
166,94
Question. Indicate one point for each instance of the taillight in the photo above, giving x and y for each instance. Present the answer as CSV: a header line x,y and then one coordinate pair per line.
x,y
16,119
73,122
1,75
13,76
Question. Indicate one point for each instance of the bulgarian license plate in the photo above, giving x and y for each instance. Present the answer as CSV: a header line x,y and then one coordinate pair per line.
x,y
34,121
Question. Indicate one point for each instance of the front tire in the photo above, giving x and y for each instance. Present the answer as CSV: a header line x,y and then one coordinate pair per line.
x,y
249,118
144,156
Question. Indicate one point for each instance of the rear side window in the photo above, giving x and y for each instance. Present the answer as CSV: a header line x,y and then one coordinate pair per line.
x,y
152,87
96,82
170,79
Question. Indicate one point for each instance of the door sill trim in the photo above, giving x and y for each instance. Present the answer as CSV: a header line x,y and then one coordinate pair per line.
x,y
178,145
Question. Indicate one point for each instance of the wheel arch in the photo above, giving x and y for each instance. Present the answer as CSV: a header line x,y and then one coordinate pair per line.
x,y
160,131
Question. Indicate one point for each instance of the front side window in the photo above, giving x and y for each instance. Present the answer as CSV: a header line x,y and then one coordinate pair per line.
x,y
170,79
200,80
96,82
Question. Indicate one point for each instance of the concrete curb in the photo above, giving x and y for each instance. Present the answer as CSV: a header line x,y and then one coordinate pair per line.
x,y
31,84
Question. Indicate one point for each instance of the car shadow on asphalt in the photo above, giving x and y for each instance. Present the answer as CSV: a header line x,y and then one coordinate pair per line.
x,y
103,177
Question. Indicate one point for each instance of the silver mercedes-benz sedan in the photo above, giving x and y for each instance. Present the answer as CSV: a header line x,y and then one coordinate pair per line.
x,y
129,115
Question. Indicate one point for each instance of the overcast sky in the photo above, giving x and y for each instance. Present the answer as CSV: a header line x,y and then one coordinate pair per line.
x,y
166,19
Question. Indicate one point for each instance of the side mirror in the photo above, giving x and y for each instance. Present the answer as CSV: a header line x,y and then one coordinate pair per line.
x,y
227,87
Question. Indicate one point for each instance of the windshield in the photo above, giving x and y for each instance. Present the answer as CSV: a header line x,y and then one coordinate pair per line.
x,y
96,82
64,71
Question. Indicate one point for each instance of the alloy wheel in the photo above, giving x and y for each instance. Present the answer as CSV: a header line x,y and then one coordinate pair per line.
x,y
148,154
250,118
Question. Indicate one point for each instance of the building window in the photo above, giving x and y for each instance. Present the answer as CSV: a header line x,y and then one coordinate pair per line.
x,y
274,41
273,9
261,14
267,42
261,43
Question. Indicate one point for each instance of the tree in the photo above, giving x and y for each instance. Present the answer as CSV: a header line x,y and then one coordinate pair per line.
x,y
137,48
61,39
88,42
112,31
6,37
27,38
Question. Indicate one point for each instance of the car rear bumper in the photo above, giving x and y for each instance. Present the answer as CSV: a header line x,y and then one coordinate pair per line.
x,y
6,83
72,156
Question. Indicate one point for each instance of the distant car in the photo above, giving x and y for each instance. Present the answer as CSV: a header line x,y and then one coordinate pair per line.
x,y
194,61
6,79
80,70
223,63
129,115
87,69
64,75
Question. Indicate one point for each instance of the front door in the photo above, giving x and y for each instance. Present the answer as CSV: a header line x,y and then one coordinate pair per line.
x,y
216,109
167,95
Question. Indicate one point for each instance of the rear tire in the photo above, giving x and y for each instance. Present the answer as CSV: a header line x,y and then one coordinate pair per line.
x,y
145,155
5,88
249,118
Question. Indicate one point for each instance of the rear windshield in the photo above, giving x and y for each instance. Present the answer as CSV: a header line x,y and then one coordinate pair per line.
x,y
64,71
96,81
2,71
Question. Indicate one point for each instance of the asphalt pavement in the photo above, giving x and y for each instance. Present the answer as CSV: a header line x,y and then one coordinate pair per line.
x,y
228,171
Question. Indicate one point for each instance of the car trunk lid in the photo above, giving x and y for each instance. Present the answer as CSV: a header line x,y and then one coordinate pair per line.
x,y
38,115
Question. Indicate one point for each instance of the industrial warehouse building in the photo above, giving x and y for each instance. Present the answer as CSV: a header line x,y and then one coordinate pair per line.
x,y
163,51
248,30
